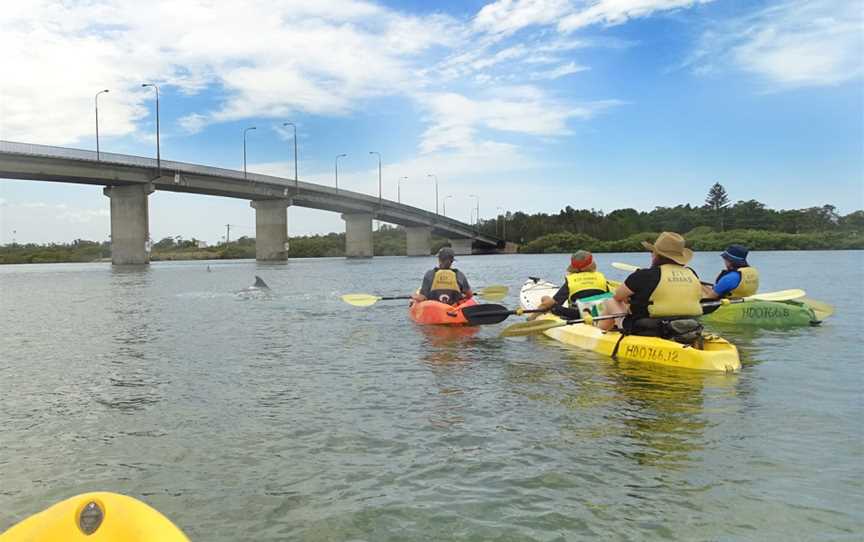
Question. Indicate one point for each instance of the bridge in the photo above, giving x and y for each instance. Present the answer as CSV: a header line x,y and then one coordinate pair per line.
x,y
129,180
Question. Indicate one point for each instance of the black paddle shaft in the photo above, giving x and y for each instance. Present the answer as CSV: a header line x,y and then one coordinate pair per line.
x,y
490,313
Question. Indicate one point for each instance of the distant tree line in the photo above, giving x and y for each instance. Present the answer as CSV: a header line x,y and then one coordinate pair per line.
x,y
716,215
711,226
387,241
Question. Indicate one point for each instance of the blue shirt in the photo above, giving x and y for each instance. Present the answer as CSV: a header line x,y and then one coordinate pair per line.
x,y
727,283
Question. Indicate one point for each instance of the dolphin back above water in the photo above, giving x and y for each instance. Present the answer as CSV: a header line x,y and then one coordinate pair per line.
x,y
259,283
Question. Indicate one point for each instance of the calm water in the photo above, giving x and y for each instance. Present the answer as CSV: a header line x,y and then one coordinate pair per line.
x,y
295,416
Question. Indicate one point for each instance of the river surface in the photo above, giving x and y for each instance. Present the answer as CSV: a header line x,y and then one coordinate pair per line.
x,y
293,416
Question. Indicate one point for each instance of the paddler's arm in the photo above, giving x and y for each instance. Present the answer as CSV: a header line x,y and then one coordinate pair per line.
x,y
462,281
618,304
423,294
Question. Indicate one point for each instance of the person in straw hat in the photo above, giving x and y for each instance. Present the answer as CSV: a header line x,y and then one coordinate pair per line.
x,y
667,290
584,289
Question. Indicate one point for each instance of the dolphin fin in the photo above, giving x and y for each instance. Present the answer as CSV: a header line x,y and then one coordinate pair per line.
x,y
259,283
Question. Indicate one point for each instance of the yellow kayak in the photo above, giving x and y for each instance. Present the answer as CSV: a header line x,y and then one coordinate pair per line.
x,y
96,517
718,354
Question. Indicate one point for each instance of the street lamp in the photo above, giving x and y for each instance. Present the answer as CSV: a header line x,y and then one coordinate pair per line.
x,y
338,156
399,189
380,197
96,99
296,182
436,191
444,204
245,130
478,208
158,152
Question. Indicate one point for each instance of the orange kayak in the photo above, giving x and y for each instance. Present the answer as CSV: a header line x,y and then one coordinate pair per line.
x,y
435,312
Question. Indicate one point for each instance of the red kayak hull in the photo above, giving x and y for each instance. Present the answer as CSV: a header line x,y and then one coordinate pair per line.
x,y
442,314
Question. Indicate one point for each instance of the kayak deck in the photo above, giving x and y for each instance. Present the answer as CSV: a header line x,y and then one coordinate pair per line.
x,y
717,353
764,314
109,517
437,313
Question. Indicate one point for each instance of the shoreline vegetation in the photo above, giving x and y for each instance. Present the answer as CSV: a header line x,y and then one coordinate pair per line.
x,y
710,227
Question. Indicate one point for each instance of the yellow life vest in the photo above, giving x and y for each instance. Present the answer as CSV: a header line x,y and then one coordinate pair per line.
x,y
749,284
445,288
677,294
582,282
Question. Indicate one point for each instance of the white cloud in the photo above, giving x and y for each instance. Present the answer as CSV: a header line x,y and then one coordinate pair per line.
x,y
508,16
560,71
505,17
521,109
793,44
269,58
612,12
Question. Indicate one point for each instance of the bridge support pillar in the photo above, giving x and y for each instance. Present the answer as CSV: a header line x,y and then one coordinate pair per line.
x,y
461,247
130,223
418,240
358,235
271,229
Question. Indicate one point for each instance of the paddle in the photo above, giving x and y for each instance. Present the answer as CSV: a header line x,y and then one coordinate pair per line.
x,y
538,326
494,293
823,310
481,315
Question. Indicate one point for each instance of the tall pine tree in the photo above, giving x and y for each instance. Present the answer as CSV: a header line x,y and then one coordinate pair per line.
x,y
717,201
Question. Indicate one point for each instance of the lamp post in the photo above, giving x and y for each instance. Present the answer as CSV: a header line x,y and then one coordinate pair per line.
x,y
380,197
96,99
436,191
444,204
478,209
296,182
336,162
158,151
399,189
245,130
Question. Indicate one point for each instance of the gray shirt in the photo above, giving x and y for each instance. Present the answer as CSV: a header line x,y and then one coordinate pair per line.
x,y
461,280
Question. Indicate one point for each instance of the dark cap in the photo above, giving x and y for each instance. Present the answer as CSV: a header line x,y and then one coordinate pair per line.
x,y
737,254
446,253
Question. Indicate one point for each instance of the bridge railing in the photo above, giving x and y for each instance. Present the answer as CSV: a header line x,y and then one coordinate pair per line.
x,y
50,151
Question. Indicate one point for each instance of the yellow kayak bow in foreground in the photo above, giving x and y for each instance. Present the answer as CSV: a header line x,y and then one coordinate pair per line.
x,y
96,517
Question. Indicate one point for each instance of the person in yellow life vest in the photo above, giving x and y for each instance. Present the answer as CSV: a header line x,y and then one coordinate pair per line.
x,y
584,288
666,291
739,279
443,283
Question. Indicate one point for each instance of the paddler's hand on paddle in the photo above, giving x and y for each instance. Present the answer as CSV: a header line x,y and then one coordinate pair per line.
x,y
545,304
418,297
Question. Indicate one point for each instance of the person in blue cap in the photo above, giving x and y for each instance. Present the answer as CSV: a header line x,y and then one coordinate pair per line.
x,y
739,279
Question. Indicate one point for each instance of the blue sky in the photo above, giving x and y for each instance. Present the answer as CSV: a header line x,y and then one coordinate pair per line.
x,y
532,105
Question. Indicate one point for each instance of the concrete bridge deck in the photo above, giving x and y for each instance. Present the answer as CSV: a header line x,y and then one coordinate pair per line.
x,y
128,180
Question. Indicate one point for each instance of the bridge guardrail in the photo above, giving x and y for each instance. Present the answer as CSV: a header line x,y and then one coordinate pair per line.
x,y
50,151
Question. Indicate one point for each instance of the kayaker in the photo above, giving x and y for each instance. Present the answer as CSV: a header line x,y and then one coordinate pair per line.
x,y
666,291
739,279
443,283
583,289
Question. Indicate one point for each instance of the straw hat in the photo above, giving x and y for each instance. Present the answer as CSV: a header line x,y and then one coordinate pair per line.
x,y
671,245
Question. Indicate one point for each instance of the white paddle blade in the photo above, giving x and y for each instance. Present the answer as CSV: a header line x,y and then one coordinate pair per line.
x,y
360,300
781,295
624,266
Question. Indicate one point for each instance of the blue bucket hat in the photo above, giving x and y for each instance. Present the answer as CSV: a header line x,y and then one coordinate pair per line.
x,y
736,254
